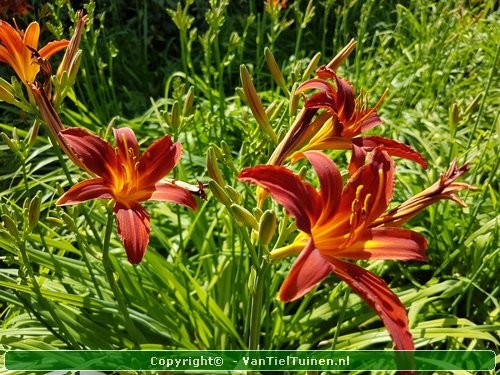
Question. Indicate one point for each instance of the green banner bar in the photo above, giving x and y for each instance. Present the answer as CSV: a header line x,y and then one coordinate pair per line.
x,y
230,360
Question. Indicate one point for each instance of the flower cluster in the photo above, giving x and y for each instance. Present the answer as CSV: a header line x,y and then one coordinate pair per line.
x,y
121,174
351,221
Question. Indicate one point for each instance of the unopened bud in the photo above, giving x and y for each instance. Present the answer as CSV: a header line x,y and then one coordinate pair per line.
x,y
257,212
294,101
244,216
233,194
213,167
226,150
188,102
68,220
267,227
311,67
342,55
251,280
10,226
175,116
275,70
13,146
34,211
7,92
255,104
219,193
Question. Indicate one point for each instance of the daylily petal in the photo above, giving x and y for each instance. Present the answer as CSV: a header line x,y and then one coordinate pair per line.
x,y
316,83
321,100
13,48
345,99
307,271
300,199
158,160
377,294
53,47
97,155
392,147
126,144
330,182
94,188
358,158
31,35
385,243
133,229
168,192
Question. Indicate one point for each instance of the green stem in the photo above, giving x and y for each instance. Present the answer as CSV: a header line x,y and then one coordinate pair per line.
x,y
256,305
341,318
108,267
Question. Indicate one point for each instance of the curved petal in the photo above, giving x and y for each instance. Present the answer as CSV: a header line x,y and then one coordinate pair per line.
x,y
133,229
322,100
300,199
307,271
158,160
358,158
330,182
316,83
167,192
53,47
385,243
31,35
345,100
13,48
94,188
126,145
381,299
392,147
95,153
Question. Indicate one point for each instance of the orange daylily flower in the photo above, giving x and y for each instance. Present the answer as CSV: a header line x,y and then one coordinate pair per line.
x,y
128,178
20,50
340,126
340,223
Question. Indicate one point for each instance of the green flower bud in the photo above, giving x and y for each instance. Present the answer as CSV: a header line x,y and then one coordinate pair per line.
x,y
244,216
219,193
188,102
10,226
233,194
267,227
34,211
275,70
213,167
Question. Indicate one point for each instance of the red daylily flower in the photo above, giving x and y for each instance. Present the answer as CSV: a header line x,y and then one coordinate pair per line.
x,y
20,50
128,178
346,117
338,224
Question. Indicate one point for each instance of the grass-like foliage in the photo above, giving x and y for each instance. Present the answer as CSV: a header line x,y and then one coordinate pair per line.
x,y
223,79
